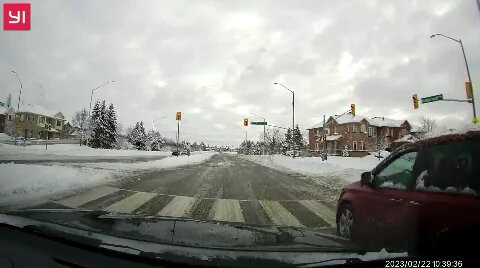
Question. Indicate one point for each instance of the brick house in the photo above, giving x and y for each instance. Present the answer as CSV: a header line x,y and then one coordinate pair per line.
x,y
360,134
30,122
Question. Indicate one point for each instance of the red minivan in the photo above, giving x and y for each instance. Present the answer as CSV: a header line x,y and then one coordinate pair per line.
x,y
423,198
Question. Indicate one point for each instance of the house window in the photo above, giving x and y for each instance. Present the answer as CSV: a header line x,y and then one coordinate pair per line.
x,y
335,130
27,117
354,147
374,132
328,131
22,117
362,146
403,132
370,131
10,117
391,132
348,128
59,123
362,128
318,132
354,128
386,131
316,146
41,120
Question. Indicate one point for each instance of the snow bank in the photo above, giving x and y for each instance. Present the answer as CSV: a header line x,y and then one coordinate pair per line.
x,y
168,162
4,137
346,168
72,150
21,184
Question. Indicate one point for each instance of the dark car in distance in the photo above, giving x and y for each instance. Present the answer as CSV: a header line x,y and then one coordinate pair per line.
x,y
422,198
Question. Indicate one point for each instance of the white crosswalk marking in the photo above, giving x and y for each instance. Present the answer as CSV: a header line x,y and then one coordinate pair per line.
x,y
227,210
178,207
84,197
320,210
279,214
130,203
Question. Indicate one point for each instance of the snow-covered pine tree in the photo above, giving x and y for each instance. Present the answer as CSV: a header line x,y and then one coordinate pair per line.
x,y
297,140
95,140
155,140
137,137
110,128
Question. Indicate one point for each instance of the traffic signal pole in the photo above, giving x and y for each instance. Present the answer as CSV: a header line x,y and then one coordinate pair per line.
x,y
469,79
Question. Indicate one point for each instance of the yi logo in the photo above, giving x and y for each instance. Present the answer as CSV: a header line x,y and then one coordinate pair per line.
x,y
16,16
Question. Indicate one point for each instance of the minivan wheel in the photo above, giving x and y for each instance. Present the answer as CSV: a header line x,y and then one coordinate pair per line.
x,y
345,221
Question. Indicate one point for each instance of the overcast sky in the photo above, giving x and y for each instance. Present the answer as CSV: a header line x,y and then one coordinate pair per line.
x,y
216,61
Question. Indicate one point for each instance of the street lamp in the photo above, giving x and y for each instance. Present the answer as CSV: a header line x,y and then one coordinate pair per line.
x,y
466,65
18,105
293,107
264,136
153,122
91,95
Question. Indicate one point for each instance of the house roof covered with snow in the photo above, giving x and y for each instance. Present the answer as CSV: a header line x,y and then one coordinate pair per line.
x,y
377,121
36,109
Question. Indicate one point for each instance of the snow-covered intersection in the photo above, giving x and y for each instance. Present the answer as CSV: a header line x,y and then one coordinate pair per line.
x,y
206,185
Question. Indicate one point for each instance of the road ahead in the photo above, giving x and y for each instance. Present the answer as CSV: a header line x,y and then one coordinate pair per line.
x,y
225,188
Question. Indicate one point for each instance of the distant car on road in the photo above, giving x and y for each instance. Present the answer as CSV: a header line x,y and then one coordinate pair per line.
x,y
183,152
423,198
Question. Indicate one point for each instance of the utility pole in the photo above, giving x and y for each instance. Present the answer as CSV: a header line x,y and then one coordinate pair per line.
x,y
18,107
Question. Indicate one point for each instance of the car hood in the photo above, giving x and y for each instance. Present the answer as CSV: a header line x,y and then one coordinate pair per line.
x,y
190,232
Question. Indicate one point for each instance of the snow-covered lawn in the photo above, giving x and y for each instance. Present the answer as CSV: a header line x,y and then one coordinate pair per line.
x,y
22,184
71,150
348,169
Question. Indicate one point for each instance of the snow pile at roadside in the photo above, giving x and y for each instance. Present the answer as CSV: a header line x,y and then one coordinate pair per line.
x,y
21,184
168,162
4,137
72,150
347,168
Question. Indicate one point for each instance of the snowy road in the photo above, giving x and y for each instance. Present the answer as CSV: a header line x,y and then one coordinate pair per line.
x,y
226,188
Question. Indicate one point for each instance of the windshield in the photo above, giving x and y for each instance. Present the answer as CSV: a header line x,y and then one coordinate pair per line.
x,y
257,114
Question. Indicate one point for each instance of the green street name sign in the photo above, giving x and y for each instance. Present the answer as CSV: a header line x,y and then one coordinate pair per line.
x,y
432,98
258,123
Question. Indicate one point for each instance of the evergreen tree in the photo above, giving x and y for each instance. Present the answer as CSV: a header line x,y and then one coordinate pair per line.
x,y
297,139
137,137
111,131
155,140
95,135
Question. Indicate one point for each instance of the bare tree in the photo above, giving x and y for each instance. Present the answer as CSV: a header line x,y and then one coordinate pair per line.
x,y
80,121
428,125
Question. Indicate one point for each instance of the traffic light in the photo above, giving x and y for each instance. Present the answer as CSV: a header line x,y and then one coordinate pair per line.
x,y
179,116
245,122
415,101
352,109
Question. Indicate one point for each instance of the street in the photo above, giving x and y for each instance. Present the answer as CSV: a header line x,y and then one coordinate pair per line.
x,y
224,188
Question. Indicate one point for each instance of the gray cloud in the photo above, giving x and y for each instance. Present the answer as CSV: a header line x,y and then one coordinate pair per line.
x,y
216,61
